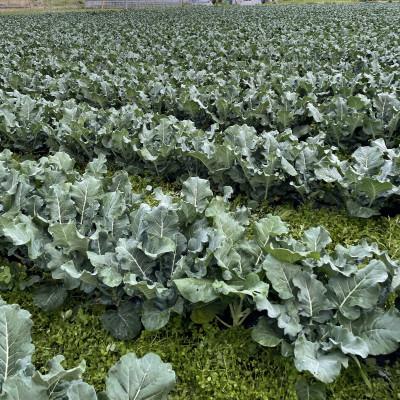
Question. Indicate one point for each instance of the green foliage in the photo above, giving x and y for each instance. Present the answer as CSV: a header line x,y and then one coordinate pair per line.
x,y
305,132
343,229
131,378
209,362
194,254
318,124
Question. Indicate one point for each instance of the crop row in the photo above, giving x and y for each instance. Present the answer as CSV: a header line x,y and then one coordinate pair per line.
x,y
195,255
271,68
269,165
260,112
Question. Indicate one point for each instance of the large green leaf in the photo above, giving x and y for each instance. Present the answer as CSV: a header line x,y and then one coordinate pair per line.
x,y
373,188
132,259
112,208
146,378
197,191
68,237
280,274
311,295
288,255
154,318
21,230
268,227
252,286
265,335
61,207
80,391
84,193
106,266
161,228
309,357
368,158
196,290
361,290
314,112
380,330
123,323
349,344
56,378
316,239
15,339
49,297
226,223
310,391
20,387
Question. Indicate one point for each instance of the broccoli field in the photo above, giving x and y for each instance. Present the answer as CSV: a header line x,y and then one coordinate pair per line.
x,y
190,166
